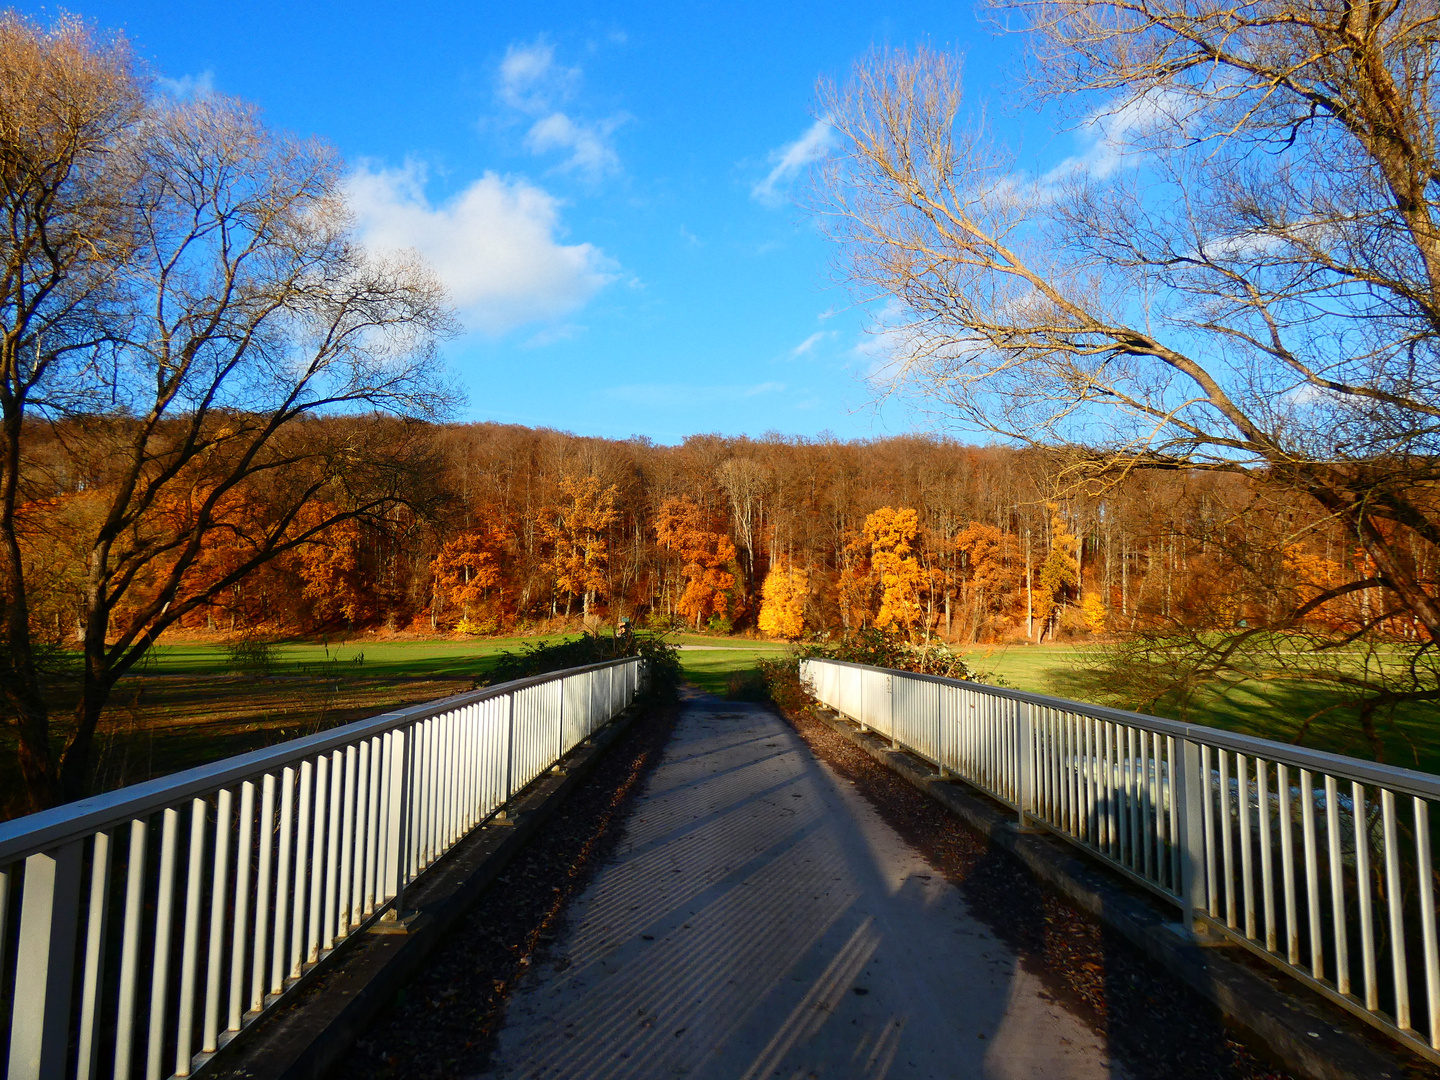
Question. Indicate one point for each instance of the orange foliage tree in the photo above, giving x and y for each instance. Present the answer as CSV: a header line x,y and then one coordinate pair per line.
x,y
706,551
988,571
575,532
467,567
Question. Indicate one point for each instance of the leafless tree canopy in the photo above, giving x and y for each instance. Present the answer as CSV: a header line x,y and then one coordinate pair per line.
x,y
1242,271
179,291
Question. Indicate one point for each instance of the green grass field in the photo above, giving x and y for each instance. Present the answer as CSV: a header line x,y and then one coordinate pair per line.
x,y
189,704
356,657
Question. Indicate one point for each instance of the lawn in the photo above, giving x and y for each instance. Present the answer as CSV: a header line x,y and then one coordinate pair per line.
x,y
188,704
1270,709
726,666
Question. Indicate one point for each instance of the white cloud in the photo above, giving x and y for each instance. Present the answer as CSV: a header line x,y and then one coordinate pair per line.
x,y
590,152
792,159
495,245
1112,138
187,87
811,341
531,80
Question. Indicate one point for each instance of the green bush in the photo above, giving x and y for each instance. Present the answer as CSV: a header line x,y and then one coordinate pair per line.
x,y
250,656
541,658
873,647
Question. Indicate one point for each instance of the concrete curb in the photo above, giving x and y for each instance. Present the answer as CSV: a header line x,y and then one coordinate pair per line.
x,y
305,1038
1301,1031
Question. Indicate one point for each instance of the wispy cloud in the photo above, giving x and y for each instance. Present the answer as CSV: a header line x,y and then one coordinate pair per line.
x,y
496,245
810,342
790,160
532,82
188,87
588,145
530,79
1113,138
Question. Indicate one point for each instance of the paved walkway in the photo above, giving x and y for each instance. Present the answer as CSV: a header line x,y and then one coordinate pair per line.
x,y
760,921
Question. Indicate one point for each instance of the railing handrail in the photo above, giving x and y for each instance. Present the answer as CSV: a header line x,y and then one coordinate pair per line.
x,y
24,836
1395,777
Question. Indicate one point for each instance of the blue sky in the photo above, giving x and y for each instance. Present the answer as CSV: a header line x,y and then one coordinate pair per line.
x,y
608,193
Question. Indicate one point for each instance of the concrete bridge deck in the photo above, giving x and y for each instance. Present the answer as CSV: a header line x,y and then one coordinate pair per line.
x,y
761,921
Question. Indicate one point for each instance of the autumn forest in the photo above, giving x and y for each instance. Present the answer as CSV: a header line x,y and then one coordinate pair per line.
x,y
494,528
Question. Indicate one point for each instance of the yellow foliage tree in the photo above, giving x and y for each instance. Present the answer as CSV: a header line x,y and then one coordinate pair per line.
x,y
782,603
1094,612
891,534
1060,572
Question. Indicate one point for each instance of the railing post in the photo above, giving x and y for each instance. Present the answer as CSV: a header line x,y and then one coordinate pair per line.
x,y
940,731
44,964
560,723
1025,756
504,814
1191,795
890,707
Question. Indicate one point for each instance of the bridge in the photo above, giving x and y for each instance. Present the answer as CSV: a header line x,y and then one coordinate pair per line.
x,y
762,919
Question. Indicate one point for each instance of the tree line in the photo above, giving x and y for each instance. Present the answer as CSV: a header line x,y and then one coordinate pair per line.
x,y
495,528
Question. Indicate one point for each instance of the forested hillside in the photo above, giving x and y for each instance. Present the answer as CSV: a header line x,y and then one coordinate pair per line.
x,y
503,528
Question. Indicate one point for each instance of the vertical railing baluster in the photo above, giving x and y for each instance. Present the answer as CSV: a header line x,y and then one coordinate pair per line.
x,y
262,948
215,954
87,1050
1247,869
130,949
282,877
190,941
1026,754
1227,853
1426,882
239,929
345,917
1267,853
160,965
303,885
1361,818
1312,877
1395,901
1337,887
1188,792
44,963
1212,879
1287,865
330,911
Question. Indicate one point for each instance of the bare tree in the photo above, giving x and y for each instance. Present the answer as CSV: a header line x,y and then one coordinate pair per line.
x,y
180,292
1243,274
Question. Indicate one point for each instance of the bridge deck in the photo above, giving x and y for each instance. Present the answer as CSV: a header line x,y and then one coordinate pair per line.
x,y
760,920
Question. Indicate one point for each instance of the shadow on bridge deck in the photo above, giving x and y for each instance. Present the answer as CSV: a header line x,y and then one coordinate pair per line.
x,y
760,920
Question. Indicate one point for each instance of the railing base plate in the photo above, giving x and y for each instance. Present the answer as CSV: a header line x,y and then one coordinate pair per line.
x,y
1201,937
408,925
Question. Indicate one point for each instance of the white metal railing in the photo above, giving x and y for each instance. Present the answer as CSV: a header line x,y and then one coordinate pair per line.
x,y
1311,860
231,881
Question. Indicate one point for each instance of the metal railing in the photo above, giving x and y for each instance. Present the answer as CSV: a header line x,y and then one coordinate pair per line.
x,y
1309,859
230,882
